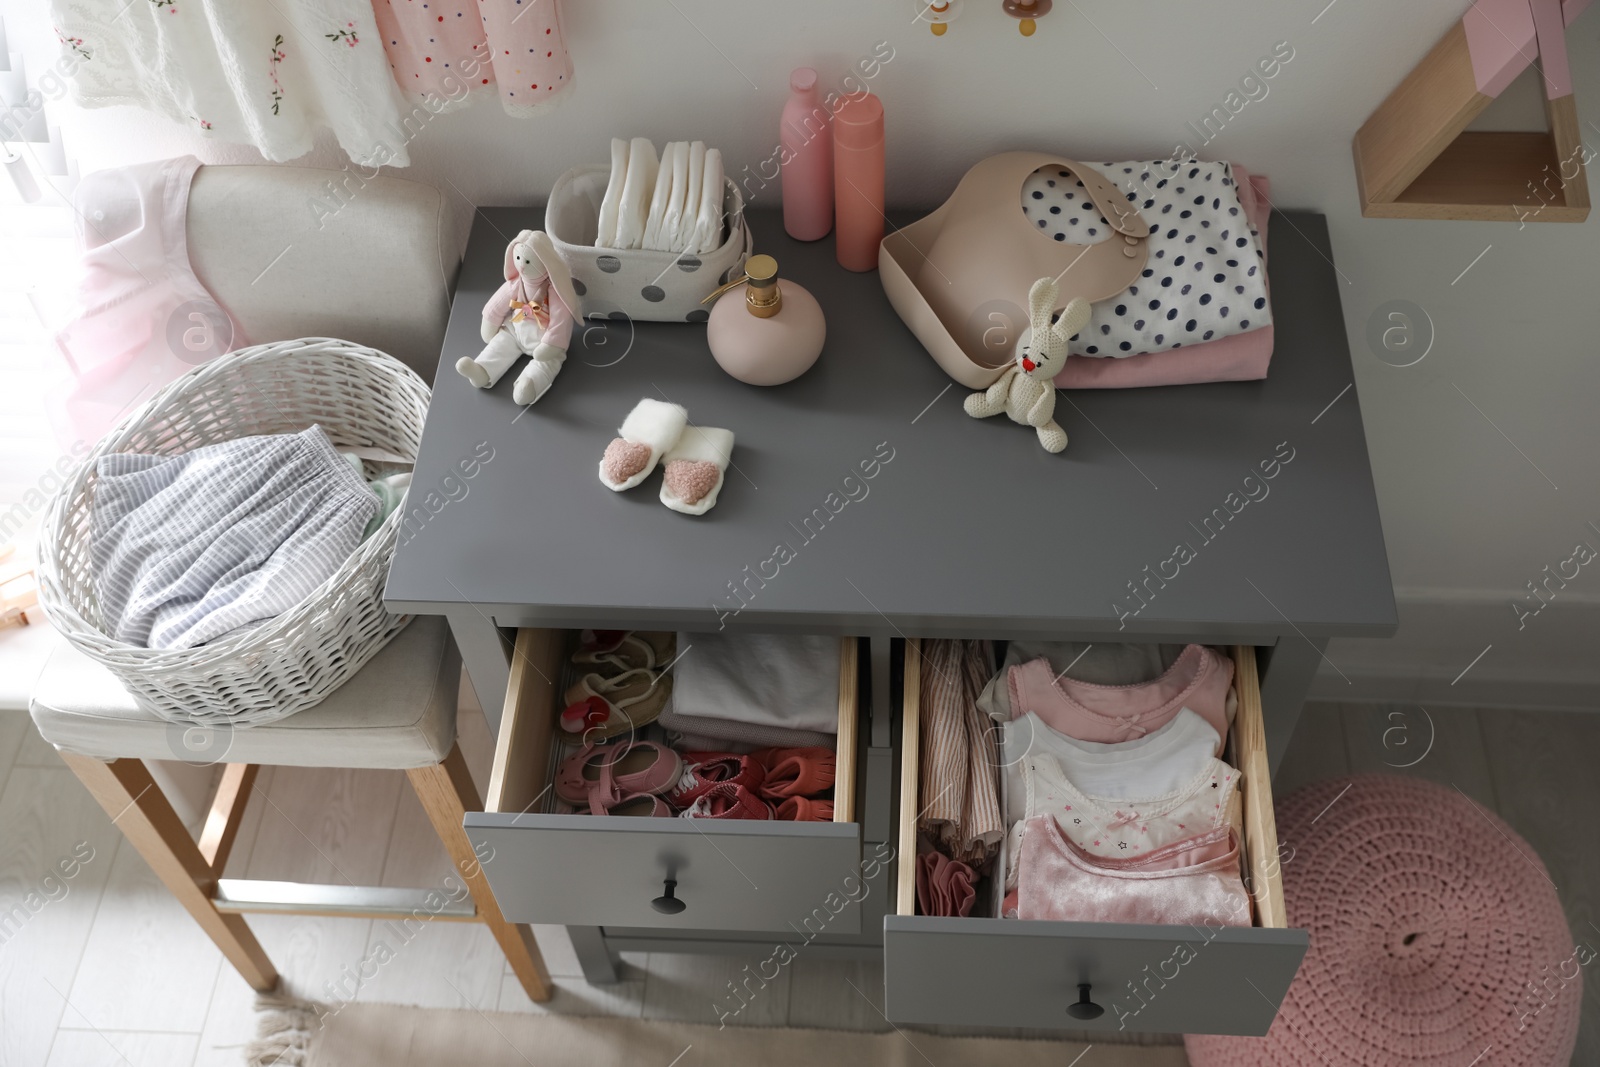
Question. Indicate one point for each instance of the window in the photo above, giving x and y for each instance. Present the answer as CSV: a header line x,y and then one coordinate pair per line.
x,y
38,253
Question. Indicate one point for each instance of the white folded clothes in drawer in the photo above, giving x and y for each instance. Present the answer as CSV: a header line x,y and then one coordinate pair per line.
x,y
1161,764
1205,277
761,689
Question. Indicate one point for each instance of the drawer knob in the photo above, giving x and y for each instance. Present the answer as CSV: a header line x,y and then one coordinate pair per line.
x,y
669,904
1085,1008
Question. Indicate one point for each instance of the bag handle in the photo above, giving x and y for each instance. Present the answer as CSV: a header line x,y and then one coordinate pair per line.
x,y
1112,201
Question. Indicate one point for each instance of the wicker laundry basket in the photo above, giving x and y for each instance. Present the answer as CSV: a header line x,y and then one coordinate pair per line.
x,y
366,402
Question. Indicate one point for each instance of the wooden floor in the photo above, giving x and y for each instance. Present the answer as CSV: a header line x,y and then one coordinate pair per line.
x,y
106,968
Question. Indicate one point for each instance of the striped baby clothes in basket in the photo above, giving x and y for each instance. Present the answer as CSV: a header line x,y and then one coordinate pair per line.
x,y
187,548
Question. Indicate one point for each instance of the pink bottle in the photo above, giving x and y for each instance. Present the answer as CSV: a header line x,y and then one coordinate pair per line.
x,y
858,180
807,160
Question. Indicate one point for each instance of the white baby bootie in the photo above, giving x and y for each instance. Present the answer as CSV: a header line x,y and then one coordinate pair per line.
x,y
693,469
652,427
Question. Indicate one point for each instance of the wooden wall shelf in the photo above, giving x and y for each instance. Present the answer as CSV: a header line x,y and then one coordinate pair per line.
x,y
1415,158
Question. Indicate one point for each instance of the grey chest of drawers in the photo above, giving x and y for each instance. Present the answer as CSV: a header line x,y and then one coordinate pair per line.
x,y
963,529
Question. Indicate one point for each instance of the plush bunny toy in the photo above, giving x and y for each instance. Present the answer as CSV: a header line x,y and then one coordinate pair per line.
x,y
1025,390
531,313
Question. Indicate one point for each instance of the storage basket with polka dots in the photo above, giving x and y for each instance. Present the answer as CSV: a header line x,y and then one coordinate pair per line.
x,y
638,283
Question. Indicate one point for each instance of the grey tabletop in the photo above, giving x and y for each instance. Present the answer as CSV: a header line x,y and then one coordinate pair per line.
x,y
1158,519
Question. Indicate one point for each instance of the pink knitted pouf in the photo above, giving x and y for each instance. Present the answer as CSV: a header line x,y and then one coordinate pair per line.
x,y
1436,937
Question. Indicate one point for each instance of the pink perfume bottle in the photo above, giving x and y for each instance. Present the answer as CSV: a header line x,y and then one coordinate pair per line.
x,y
807,160
771,333
858,181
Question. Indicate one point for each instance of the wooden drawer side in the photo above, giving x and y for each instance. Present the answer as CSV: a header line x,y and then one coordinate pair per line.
x,y
528,722
1248,753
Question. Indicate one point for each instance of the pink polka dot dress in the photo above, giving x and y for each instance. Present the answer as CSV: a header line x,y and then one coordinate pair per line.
x,y
449,49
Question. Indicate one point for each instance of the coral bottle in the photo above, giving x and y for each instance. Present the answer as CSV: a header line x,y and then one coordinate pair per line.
x,y
806,137
858,181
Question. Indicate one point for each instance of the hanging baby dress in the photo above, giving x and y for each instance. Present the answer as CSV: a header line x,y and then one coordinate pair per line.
x,y
266,73
448,49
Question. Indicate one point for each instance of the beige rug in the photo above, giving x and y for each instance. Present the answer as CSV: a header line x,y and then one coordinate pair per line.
x,y
381,1035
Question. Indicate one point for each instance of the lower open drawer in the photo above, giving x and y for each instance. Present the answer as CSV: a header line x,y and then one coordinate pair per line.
x,y
586,870
1054,975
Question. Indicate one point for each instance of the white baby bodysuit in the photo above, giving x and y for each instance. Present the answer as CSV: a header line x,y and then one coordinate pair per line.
x,y
1156,764
1191,791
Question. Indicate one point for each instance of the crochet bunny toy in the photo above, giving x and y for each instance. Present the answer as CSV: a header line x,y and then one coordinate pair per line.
x,y
532,313
1025,390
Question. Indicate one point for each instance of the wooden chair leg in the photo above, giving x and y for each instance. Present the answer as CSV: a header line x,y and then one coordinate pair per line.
x,y
141,811
447,794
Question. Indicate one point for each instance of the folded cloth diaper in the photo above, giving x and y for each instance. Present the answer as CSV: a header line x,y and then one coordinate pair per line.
x,y
707,236
658,202
683,238
672,218
606,235
639,182
674,205
1205,277
187,548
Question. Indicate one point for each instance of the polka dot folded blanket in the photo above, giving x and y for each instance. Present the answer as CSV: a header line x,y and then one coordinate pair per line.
x,y
1436,937
1205,277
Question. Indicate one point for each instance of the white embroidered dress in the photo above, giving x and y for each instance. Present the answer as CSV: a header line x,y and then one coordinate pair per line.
x,y
266,73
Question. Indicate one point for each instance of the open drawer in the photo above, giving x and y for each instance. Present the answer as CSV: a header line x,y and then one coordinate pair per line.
x,y
1098,976
663,873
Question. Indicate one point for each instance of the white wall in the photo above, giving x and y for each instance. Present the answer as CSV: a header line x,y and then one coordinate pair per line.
x,y
1468,518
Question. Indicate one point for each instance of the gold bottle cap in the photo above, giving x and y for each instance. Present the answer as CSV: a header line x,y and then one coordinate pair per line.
x,y
761,270
762,297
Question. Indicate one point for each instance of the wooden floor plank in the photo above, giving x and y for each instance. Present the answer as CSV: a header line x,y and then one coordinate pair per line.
x,y
46,819
837,994
147,964
716,990
325,825
15,726
1443,745
1543,764
1317,750
121,1048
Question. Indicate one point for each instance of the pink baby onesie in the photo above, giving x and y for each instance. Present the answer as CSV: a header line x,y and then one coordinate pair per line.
x,y
450,48
1192,881
1199,679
